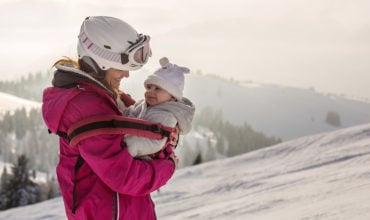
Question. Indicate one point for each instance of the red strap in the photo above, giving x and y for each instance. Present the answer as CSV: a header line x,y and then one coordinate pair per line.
x,y
115,119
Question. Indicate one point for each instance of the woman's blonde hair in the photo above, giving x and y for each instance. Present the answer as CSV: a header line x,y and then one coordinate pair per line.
x,y
67,61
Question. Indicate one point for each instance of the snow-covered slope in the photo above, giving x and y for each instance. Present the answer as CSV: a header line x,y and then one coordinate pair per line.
x,y
10,103
324,176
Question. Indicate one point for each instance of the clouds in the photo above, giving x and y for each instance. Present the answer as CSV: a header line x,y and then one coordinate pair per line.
x,y
286,42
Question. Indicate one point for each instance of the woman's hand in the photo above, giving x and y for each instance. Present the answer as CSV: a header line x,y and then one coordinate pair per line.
x,y
175,159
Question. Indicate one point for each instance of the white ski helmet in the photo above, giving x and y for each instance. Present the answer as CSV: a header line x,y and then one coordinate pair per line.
x,y
112,43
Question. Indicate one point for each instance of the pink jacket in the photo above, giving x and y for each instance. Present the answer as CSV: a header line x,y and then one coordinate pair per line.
x,y
110,184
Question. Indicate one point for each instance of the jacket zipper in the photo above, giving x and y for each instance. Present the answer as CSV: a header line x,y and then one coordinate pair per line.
x,y
115,206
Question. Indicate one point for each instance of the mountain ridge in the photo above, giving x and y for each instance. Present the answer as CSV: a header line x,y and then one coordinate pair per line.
x,y
279,111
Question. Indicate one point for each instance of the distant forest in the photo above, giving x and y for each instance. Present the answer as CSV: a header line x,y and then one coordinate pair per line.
x,y
230,140
23,132
26,144
29,87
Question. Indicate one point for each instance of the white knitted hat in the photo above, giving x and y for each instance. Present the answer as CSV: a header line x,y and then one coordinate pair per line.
x,y
170,78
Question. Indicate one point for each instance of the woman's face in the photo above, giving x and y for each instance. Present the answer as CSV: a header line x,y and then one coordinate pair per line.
x,y
114,77
155,95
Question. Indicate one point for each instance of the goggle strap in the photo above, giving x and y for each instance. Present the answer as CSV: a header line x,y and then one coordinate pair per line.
x,y
93,48
124,58
141,41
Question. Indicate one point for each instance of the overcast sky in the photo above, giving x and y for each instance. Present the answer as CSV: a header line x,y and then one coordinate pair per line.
x,y
324,44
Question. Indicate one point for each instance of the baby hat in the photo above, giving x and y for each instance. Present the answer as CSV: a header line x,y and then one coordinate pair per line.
x,y
170,78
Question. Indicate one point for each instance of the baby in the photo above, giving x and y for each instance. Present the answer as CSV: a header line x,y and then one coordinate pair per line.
x,y
164,103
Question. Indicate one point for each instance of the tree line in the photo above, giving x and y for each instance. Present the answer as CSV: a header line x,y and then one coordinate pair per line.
x,y
29,87
18,186
24,132
227,139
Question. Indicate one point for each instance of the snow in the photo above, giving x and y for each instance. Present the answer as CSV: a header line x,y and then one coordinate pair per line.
x,y
323,176
10,102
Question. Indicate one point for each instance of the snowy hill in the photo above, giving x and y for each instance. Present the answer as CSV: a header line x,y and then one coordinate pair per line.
x,y
324,176
280,111
10,103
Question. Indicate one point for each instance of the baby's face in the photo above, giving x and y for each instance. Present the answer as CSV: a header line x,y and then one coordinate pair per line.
x,y
155,95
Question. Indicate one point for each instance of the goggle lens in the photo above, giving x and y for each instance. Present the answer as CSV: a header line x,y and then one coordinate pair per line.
x,y
142,54
138,53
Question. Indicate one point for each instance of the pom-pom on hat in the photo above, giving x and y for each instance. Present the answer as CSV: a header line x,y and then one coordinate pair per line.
x,y
169,77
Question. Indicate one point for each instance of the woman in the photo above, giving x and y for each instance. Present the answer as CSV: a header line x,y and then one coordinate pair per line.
x,y
98,178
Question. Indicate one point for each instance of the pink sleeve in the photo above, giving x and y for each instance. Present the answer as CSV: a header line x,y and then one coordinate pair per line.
x,y
108,160
120,171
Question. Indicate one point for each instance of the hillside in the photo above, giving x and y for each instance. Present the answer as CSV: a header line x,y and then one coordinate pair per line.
x,y
322,177
10,103
279,111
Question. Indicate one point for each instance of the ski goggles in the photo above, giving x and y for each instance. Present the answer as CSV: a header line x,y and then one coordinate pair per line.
x,y
135,56
138,53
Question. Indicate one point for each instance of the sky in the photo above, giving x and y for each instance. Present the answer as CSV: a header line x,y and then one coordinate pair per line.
x,y
322,177
321,44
